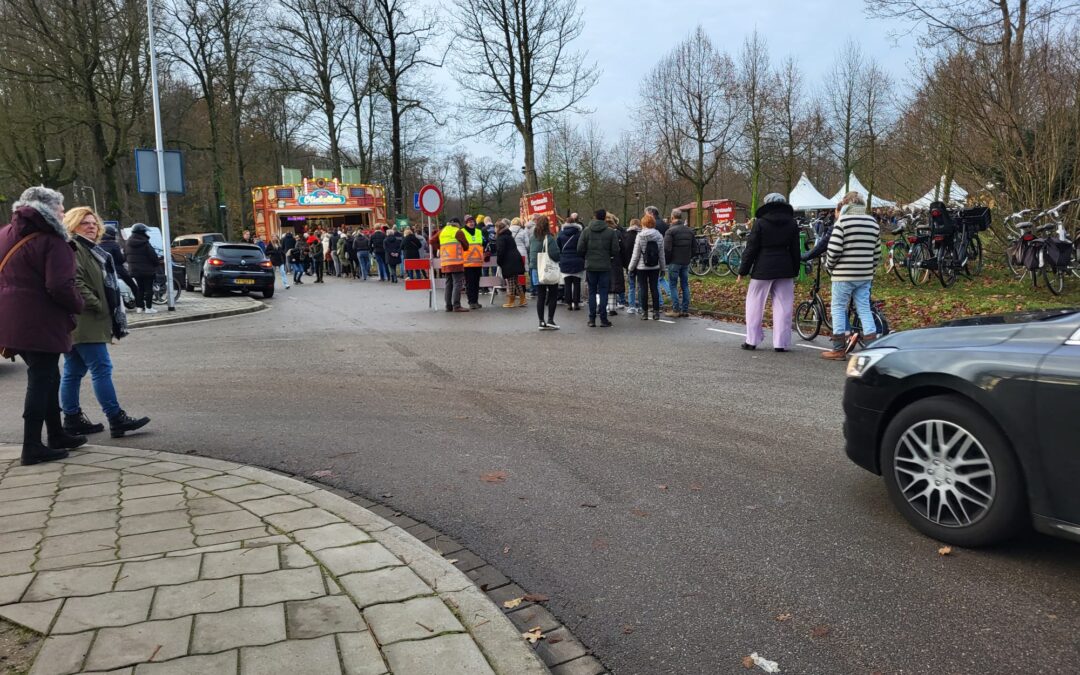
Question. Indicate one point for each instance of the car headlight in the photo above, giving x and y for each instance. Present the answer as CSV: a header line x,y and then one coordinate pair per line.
x,y
860,363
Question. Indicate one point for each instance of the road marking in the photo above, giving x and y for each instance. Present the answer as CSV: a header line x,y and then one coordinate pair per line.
x,y
727,332
666,321
797,344
820,349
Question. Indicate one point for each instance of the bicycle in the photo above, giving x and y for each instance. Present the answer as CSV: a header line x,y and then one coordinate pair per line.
x,y
812,314
718,256
956,245
896,252
733,257
1050,256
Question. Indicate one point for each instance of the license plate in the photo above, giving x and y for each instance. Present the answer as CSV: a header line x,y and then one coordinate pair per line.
x,y
244,282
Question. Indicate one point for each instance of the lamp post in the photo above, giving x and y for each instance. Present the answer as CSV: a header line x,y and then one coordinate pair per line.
x,y
163,195
637,200
223,209
93,194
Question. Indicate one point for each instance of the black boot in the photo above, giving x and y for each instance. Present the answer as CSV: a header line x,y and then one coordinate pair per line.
x,y
120,424
80,425
33,452
59,438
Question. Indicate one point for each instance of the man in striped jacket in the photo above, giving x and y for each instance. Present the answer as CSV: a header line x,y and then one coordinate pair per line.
x,y
853,255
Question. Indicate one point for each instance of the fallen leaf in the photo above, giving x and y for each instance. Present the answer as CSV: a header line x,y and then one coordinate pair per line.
x,y
506,550
554,640
451,560
783,617
325,473
747,662
695,486
945,550
820,631
493,476
511,604
536,597
662,487
534,635
639,513
627,629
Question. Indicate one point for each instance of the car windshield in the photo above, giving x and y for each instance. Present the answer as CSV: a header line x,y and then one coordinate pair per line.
x,y
239,251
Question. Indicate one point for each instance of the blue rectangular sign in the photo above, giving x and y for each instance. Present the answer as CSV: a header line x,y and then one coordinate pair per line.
x,y
416,201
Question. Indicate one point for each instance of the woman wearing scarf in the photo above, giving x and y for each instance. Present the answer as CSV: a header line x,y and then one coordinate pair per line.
x,y
102,320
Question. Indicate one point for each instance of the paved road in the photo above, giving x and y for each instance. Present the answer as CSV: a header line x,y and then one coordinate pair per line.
x,y
761,516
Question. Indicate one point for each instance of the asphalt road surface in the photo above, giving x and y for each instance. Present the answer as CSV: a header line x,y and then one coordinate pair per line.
x,y
673,494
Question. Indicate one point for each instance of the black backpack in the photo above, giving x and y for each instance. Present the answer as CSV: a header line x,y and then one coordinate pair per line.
x,y
652,253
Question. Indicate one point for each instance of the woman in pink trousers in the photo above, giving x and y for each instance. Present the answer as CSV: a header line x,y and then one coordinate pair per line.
x,y
772,261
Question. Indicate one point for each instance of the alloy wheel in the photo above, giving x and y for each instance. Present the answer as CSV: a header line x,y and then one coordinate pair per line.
x,y
944,473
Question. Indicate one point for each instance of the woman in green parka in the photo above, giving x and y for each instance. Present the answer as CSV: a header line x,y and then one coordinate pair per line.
x,y
102,320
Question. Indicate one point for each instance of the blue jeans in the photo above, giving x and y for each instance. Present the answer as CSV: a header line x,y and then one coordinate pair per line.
x,y
842,292
631,290
535,278
284,275
679,277
92,357
599,283
380,260
365,264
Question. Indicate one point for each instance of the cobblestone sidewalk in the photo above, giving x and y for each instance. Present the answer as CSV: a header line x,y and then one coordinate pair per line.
x,y
144,562
194,307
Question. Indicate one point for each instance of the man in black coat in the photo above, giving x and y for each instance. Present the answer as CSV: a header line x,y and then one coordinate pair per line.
x,y
678,249
142,263
378,250
111,246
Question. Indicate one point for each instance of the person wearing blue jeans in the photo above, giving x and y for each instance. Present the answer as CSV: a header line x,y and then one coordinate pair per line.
x,y
679,279
365,264
842,293
852,256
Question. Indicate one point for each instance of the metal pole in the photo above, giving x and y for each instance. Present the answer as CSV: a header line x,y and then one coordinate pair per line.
x,y
163,195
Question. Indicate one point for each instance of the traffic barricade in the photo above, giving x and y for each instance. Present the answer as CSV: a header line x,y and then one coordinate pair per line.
x,y
435,281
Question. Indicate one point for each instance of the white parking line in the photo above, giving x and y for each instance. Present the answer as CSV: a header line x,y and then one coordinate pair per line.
x,y
666,321
820,349
727,332
797,344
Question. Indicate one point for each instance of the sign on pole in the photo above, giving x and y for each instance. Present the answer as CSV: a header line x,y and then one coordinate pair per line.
x,y
416,201
431,200
538,204
723,212
146,171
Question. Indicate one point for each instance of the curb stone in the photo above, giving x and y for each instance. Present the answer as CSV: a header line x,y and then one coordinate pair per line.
x,y
487,627
166,318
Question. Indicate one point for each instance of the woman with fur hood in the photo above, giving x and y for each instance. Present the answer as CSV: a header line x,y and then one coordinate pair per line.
x,y
38,301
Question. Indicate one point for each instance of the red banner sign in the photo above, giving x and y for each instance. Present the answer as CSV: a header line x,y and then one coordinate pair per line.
x,y
539,203
723,212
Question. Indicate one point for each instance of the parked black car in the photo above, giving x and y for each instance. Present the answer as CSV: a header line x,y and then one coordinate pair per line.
x,y
975,425
222,266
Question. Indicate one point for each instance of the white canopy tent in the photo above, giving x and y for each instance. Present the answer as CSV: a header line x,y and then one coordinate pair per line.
x,y
957,196
805,197
855,185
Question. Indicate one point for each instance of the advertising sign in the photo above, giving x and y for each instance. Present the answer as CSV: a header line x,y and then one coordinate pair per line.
x,y
723,212
539,203
321,197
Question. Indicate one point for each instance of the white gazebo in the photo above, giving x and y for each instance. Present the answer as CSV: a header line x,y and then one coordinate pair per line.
x,y
805,197
957,196
855,185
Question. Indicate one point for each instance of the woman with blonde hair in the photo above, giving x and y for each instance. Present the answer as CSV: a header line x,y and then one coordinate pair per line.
x,y
102,320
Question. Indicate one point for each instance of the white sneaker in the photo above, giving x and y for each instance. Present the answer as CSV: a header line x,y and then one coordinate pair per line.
x,y
552,325
150,311
139,310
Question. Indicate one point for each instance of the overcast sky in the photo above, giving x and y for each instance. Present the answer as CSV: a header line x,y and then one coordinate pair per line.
x,y
626,38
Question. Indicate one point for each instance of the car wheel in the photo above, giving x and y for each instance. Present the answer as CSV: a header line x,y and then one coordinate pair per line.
x,y
268,293
952,474
206,290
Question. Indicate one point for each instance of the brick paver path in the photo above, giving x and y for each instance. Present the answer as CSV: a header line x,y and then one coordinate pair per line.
x,y
143,562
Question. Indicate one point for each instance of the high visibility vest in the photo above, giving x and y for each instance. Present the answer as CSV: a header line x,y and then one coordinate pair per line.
x,y
449,247
474,256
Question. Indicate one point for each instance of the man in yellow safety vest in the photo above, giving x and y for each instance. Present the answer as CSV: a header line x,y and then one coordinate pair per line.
x,y
474,261
452,247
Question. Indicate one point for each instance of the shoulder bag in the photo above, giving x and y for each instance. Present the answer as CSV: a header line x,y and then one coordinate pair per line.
x,y
547,270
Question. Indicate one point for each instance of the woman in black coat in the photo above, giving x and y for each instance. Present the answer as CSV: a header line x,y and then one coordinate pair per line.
x,y
508,257
410,248
142,264
772,261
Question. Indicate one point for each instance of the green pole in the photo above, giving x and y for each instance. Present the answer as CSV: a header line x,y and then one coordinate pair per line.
x,y
802,247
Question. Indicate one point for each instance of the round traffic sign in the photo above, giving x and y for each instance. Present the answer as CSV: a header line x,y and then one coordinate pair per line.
x,y
431,200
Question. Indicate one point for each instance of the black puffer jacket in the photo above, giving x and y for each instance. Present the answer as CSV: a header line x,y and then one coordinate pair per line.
x,y
772,248
678,244
142,259
507,255
377,241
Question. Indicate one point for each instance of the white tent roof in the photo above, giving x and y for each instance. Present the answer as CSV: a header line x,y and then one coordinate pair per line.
x,y
805,197
957,196
855,185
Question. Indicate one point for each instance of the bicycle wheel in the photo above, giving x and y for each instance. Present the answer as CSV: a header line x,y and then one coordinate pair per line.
x,y
807,320
1054,278
899,257
946,265
881,321
918,256
699,265
718,262
734,259
974,264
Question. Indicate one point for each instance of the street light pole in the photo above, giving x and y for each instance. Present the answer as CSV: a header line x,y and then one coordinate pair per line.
x,y
163,195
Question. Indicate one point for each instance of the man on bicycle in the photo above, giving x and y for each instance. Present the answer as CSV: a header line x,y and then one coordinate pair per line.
x,y
853,253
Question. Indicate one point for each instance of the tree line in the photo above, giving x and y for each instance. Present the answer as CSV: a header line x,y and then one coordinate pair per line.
x,y
993,101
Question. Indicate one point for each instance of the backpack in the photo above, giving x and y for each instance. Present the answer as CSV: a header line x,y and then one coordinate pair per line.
x,y
652,254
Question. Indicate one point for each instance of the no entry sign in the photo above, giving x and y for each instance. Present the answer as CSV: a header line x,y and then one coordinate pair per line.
x,y
431,200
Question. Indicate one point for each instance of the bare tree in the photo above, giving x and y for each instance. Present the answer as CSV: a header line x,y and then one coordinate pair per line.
x,y
842,91
463,173
562,153
623,160
754,75
362,78
396,39
515,60
690,106
874,117
791,121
